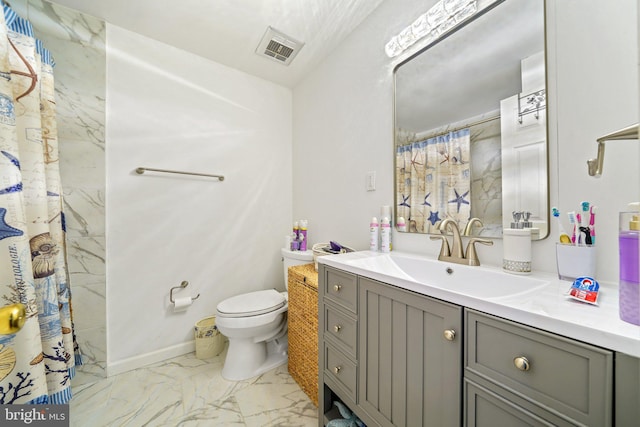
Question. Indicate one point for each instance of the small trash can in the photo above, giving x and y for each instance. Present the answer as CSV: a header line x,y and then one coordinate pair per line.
x,y
209,340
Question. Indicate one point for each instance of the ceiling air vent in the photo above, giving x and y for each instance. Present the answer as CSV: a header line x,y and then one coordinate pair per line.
x,y
278,46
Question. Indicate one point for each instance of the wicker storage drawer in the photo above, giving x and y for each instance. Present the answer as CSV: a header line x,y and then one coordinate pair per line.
x,y
303,328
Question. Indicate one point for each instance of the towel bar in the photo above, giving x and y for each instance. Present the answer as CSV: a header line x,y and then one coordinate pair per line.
x,y
142,170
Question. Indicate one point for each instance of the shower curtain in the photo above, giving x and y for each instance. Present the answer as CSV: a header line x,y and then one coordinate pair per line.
x,y
38,362
434,180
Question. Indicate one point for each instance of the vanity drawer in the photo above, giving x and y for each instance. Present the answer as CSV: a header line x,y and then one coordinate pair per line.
x,y
566,376
341,328
341,288
342,369
486,408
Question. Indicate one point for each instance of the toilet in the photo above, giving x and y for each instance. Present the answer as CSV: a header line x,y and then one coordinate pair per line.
x,y
256,325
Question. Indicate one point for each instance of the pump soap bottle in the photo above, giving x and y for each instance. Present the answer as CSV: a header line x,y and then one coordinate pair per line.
x,y
629,243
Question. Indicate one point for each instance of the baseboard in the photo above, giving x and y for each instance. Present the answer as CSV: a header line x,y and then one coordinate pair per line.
x,y
150,358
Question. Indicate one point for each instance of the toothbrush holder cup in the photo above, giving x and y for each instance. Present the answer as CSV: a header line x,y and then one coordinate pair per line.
x,y
575,261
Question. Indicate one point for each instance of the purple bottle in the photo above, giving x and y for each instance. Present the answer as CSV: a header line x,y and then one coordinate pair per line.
x,y
302,235
629,244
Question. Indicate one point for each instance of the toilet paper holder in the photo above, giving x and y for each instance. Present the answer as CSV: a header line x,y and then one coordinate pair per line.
x,y
183,285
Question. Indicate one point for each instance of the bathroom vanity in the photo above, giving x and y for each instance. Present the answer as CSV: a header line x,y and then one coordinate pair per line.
x,y
400,352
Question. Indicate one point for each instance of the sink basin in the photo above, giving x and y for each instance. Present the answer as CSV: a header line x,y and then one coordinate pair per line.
x,y
479,282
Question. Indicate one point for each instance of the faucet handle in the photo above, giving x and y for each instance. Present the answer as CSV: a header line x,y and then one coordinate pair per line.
x,y
444,249
471,255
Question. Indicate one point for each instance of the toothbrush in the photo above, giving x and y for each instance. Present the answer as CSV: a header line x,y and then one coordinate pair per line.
x,y
592,223
578,225
572,221
585,211
563,235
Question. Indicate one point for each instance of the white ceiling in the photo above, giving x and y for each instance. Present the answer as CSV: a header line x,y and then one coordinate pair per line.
x,y
228,31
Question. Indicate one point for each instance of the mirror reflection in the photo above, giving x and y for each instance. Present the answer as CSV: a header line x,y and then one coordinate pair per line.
x,y
471,128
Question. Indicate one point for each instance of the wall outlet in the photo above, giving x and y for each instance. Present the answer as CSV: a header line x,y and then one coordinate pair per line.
x,y
370,184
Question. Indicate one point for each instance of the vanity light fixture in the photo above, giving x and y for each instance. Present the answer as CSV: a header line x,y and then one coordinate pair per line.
x,y
442,17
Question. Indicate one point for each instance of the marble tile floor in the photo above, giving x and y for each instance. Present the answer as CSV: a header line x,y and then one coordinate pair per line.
x,y
186,391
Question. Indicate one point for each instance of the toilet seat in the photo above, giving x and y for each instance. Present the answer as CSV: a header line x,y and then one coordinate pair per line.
x,y
251,304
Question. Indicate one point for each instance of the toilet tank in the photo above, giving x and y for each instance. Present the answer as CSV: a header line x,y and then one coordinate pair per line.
x,y
291,258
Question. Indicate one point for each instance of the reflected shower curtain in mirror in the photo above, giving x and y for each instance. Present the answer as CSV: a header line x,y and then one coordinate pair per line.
x,y
434,180
37,363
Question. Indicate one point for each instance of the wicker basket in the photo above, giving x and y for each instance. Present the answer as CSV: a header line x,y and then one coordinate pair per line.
x,y
209,340
303,328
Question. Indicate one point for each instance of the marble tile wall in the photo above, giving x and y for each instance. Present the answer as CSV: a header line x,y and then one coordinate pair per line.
x,y
77,42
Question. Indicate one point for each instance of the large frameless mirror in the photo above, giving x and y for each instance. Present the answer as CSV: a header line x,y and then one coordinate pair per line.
x,y
471,126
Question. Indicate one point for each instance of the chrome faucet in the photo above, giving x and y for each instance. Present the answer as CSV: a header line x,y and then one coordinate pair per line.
x,y
455,254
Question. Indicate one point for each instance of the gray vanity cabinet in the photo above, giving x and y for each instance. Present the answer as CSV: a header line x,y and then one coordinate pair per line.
x,y
394,357
410,357
398,358
512,370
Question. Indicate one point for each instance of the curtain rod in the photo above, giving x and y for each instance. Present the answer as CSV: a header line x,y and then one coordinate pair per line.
x,y
476,123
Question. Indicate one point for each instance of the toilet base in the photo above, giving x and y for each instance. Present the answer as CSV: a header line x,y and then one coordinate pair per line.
x,y
246,359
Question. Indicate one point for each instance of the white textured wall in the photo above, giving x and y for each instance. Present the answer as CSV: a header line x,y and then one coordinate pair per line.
x,y
170,109
342,127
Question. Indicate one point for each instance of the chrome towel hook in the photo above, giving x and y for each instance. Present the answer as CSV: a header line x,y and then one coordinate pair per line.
x,y
183,285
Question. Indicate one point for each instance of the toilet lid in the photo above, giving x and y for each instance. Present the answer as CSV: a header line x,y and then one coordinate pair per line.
x,y
252,303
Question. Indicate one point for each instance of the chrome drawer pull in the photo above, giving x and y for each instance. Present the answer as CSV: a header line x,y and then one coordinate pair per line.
x,y
337,328
522,363
337,288
337,369
449,334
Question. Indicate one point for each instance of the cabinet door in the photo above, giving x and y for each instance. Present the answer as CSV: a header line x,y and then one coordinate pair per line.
x,y
410,373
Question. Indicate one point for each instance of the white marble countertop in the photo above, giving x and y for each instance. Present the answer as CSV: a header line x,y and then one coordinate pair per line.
x,y
548,308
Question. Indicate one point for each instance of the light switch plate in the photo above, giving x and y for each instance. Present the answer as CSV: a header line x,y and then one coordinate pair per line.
x,y
371,181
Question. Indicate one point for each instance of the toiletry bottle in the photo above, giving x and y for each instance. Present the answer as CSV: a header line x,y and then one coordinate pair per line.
x,y
295,244
303,234
629,287
374,234
296,230
385,235
385,211
402,224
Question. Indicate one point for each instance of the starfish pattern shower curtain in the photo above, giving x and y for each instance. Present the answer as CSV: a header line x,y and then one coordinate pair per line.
x,y
434,180
38,362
